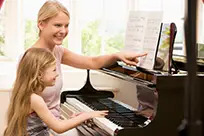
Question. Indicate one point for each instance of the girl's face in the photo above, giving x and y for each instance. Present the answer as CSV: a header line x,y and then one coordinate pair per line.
x,y
55,29
49,76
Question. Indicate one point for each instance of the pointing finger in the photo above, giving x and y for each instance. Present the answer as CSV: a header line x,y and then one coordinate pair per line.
x,y
141,55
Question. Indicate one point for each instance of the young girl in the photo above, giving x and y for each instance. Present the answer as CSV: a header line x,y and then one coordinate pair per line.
x,y
28,114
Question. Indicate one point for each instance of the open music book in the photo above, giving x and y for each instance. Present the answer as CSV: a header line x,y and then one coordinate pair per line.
x,y
145,32
142,34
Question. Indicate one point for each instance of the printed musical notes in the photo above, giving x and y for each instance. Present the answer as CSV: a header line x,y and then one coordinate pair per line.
x,y
142,33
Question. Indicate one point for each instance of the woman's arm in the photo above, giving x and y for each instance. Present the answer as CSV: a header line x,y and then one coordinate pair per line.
x,y
87,62
59,126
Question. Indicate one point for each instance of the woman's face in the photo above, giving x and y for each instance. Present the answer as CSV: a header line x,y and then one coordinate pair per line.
x,y
55,29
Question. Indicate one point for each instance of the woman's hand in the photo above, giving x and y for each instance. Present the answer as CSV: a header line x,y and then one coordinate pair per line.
x,y
130,58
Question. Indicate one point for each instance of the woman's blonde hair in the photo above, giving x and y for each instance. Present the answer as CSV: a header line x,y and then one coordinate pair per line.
x,y
31,66
50,9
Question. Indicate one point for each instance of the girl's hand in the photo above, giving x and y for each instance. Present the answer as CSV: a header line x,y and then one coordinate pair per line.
x,y
93,114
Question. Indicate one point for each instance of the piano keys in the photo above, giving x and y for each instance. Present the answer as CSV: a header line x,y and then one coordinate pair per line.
x,y
119,116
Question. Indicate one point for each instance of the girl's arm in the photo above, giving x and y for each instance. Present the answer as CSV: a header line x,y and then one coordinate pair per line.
x,y
59,126
87,62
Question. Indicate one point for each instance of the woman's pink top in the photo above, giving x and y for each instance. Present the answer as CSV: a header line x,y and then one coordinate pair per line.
x,y
51,95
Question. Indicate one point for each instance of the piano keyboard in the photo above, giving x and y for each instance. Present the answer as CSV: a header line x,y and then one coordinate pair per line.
x,y
119,117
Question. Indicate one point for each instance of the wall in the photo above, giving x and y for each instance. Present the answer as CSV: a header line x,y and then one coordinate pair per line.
x,y
7,77
4,100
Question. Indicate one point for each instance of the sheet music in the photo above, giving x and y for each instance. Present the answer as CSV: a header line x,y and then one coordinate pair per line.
x,y
142,33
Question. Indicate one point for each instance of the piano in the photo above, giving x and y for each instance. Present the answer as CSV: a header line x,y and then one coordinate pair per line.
x,y
160,95
160,110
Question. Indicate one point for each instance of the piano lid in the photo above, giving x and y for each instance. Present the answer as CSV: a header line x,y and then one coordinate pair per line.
x,y
129,73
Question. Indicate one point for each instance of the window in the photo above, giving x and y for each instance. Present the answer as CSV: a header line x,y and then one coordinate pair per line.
x,y
97,27
2,30
31,9
13,30
103,29
173,11
103,26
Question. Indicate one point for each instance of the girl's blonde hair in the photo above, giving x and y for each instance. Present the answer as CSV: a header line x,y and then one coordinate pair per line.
x,y
31,66
50,9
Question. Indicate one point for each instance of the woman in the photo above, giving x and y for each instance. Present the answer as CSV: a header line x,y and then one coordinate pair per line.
x,y
53,21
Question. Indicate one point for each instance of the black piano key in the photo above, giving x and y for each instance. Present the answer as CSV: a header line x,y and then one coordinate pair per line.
x,y
118,114
121,120
113,114
139,119
99,106
113,105
122,110
110,111
93,103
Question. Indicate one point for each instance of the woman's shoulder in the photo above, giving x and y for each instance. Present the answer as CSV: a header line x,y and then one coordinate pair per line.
x,y
59,51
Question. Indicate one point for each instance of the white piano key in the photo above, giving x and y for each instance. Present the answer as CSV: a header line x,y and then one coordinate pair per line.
x,y
103,123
